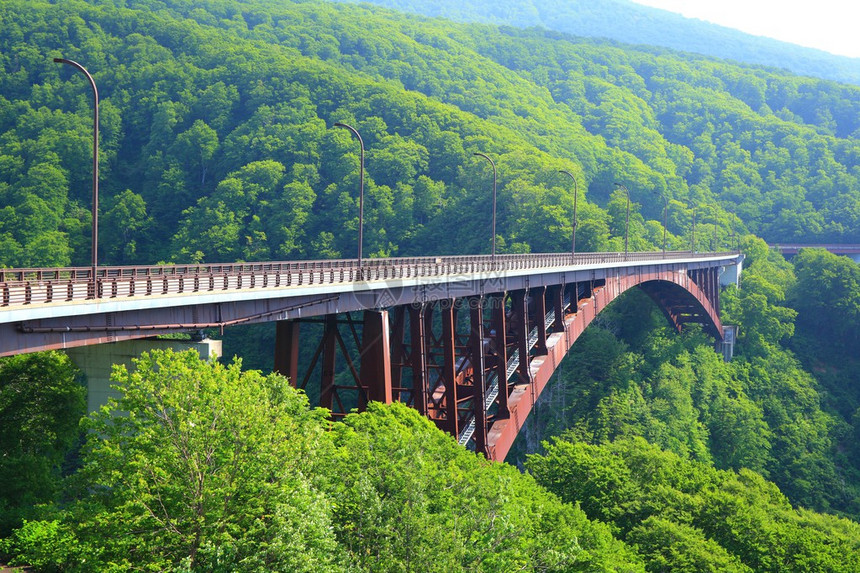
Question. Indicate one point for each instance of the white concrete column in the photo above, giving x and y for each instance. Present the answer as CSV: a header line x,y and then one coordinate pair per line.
x,y
97,360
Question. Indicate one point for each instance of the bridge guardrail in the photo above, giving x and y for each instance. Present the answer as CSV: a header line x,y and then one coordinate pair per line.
x,y
50,285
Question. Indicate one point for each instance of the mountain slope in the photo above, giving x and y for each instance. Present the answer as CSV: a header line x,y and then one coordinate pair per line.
x,y
193,97
218,144
632,23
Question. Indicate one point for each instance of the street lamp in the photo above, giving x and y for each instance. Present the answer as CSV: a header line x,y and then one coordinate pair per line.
x,y
575,194
494,199
95,230
627,220
665,219
693,238
361,189
714,211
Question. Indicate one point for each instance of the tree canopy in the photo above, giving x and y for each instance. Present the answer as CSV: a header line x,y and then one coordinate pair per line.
x,y
197,97
217,145
205,467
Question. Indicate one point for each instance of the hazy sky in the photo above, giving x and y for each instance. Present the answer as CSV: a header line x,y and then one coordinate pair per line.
x,y
829,25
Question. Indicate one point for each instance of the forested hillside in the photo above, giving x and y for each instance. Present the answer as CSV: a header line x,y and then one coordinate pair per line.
x,y
216,141
218,144
633,23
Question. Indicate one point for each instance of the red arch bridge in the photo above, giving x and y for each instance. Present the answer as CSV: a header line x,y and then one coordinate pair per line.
x,y
469,341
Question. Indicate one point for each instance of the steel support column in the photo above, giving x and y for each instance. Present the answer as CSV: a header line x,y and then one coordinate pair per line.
x,y
329,356
538,307
520,331
418,357
556,295
499,350
399,356
449,368
478,346
375,367
287,349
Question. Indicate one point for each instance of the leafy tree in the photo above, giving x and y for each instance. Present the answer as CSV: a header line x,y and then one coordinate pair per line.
x,y
195,148
410,499
203,467
124,224
685,515
198,466
41,402
670,546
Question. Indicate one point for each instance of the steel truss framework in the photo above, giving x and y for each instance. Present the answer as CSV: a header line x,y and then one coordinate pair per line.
x,y
475,365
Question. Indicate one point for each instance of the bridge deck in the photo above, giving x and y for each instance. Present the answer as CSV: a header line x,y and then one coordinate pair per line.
x,y
835,248
59,308
30,294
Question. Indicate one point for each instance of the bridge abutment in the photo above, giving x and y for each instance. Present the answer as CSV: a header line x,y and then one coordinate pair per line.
x,y
96,361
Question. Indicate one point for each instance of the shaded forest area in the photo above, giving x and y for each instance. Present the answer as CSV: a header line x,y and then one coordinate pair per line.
x,y
217,146
199,478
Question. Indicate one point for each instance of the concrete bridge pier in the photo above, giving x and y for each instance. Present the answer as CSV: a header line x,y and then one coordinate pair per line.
x,y
96,361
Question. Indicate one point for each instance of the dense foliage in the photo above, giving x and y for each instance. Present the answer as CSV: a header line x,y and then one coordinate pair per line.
x,y
204,467
41,401
634,23
685,516
216,141
215,122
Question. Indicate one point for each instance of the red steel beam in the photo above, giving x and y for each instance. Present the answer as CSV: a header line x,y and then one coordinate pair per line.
x,y
478,345
375,368
287,349
501,435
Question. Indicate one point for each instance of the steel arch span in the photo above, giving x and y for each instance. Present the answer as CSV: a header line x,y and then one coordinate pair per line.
x,y
458,360
681,298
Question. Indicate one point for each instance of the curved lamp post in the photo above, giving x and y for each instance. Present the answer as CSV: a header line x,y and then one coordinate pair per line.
x,y
95,230
714,212
665,218
360,189
693,238
494,199
627,220
575,194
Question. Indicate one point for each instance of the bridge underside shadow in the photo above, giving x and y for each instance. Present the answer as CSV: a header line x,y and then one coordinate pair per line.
x,y
474,365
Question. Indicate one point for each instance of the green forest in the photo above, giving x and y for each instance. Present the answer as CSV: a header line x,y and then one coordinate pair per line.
x,y
646,453
634,23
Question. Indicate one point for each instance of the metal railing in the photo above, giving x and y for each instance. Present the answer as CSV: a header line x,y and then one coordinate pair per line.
x,y
40,286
